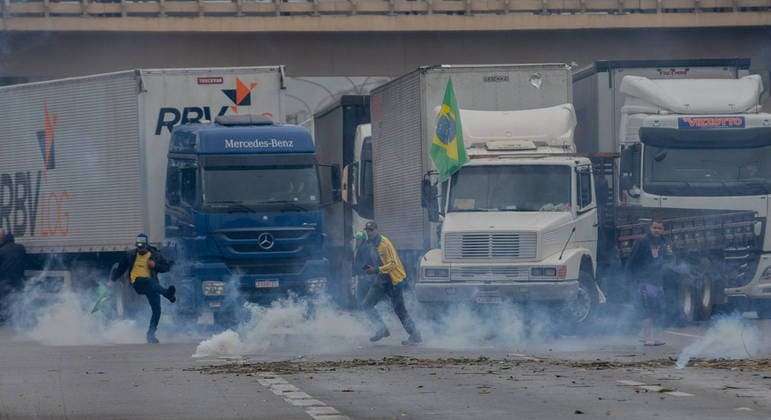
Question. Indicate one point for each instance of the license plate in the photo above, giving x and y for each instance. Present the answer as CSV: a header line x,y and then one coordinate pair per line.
x,y
266,284
489,300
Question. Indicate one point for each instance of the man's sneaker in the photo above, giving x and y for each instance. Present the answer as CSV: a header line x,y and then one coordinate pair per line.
x,y
151,339
413,340
380,335
172,294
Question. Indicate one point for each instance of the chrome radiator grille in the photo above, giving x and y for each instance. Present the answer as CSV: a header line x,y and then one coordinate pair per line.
x,y
485,246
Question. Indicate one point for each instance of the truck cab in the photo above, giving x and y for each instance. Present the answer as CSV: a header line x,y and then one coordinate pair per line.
x,y
243,216
703,144
519,218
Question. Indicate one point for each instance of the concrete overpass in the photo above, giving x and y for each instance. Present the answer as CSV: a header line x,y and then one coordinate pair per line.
x,y
48,39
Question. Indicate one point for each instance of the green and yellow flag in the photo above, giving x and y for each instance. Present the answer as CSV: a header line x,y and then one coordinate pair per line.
x,y
447,149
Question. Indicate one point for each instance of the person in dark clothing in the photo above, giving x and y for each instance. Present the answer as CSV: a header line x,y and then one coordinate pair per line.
x,y
645,266
12,256
390,281
144,263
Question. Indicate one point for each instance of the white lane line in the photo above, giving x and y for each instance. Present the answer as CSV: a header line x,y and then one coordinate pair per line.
x,y
321,411
293,395
310,402
683,334
284,388
654,388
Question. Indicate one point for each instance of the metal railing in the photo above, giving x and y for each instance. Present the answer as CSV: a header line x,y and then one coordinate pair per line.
x,y
234,8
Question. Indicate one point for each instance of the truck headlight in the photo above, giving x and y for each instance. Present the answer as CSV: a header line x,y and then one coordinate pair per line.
x,y
766,273
558,272
213,288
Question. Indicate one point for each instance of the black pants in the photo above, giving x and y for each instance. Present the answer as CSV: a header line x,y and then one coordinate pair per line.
x,y
153,290
381,288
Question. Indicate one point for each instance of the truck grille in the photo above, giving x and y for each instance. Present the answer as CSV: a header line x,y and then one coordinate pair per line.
x,y
479,246
489,274
254,234
267,268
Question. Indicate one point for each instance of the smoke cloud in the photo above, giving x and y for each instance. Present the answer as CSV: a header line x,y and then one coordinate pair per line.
x,y
56,312
290,324
730,337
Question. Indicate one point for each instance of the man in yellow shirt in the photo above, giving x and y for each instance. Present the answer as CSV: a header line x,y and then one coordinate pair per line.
x,y
385,263
144,263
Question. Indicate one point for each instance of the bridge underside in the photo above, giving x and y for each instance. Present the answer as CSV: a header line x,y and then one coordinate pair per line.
x,y
45,55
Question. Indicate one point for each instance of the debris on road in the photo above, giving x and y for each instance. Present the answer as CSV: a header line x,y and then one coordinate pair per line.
x,y
486,365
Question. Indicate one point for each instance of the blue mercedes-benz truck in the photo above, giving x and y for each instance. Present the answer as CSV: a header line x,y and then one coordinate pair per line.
x,y
244,214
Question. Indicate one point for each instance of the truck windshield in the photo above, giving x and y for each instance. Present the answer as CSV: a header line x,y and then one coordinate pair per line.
x,y
707,172
253,186
511,188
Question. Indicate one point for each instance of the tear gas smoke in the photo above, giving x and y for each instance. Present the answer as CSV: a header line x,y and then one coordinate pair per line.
x,y
55,312
68,322
63,317
286,326
289,324
730,337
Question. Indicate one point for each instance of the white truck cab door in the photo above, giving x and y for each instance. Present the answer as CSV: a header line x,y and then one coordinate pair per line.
x,y
585,209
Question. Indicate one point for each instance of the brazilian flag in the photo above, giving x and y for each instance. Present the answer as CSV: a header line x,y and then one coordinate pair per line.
x,y
447,149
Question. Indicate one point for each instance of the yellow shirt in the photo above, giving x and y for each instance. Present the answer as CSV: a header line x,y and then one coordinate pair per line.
x,y
140,269
391,264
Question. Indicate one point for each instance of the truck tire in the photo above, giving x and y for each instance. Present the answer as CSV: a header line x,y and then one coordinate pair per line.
x,y
705,298
580,311
686,302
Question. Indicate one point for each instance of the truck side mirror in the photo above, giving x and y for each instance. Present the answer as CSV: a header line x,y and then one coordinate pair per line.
x,y
428,196
330,181
425,193
345,189
336,184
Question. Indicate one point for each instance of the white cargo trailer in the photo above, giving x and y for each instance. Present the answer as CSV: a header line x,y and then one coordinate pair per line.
x,y
403,123
83,160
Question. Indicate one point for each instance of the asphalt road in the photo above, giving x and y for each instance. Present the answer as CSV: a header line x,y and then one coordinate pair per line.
x,y
597,376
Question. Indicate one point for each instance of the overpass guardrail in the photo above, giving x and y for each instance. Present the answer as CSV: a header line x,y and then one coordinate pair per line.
x,y
230,8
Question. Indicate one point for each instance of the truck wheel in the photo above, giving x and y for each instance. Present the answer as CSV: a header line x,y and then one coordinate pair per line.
x,y
686,303
579,312
705,301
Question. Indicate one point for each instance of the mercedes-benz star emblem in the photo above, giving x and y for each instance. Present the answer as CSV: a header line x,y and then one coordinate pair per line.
x,y
265,241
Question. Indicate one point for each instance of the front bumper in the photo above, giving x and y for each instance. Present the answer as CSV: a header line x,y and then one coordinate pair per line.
x,y
460,292
259,288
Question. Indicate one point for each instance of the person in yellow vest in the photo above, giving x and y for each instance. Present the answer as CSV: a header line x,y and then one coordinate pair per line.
x,y
143,264
390,281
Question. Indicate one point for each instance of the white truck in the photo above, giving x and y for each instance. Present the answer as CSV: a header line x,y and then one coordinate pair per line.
x,y
519,219
694,147
83,161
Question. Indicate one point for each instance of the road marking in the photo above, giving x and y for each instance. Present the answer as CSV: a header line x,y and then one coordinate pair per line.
x,y
684,334
317,409
654,388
